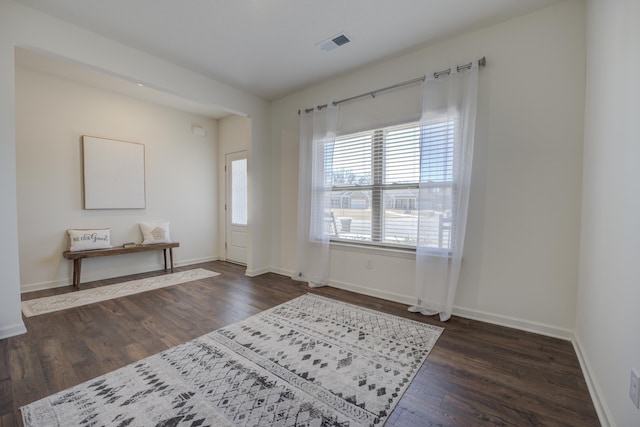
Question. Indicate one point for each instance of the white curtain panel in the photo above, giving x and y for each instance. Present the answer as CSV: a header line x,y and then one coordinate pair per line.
x,y
317,137
447,133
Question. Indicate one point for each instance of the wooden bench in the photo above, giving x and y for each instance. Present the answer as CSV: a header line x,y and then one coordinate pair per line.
x,y
78,256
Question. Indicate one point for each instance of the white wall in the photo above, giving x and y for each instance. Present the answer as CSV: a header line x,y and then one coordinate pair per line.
x,y
521,255
609,286
10,315
180,178
24,27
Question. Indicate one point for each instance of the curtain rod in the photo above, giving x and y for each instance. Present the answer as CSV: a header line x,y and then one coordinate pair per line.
x,y
481,63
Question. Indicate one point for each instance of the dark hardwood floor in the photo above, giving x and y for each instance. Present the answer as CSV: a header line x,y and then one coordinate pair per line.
x,y
478,374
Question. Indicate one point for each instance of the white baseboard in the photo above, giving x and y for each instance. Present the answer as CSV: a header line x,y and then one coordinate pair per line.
x,y
281,271
257,271
386,295
597,396
513,322
32,287
12,331
389,296
510,322
59,283
184,262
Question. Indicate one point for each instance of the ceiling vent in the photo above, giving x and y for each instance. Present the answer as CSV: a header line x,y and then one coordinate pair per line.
x,y
334,42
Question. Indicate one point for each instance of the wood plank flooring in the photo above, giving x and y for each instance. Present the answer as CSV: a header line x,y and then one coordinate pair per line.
x,y
478,374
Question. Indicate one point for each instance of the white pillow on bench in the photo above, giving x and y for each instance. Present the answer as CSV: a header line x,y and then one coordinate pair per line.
x,y
155,233
88,239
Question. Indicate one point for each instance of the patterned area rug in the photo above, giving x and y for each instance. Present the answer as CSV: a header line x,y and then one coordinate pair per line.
x,y
311,361
89,296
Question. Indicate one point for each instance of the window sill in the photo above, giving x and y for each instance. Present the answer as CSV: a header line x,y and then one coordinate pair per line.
x,y
399,252
408,253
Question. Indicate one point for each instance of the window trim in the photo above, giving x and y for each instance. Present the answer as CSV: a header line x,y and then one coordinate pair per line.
x,y
378,188
407,252
372,249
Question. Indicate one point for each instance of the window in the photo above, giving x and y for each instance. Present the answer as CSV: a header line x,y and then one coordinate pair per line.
x,y
239,192
375,179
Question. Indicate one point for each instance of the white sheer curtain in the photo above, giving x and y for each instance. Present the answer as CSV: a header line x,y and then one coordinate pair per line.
x,y
315,176
447,133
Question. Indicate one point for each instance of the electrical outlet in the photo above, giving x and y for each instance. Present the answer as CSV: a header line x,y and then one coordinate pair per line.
x,y
634,388
369,265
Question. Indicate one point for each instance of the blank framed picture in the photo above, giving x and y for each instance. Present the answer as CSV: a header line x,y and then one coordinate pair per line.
x,y
113,174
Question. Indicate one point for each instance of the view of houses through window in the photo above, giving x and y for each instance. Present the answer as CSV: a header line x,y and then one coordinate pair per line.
x,y
375,177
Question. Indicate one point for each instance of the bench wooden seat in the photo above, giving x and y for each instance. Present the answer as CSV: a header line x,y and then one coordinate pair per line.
x,y
78,256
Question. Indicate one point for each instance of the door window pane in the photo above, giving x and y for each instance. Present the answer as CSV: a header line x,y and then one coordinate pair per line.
x,y
239,192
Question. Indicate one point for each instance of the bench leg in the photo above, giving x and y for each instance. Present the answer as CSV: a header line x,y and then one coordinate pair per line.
x,y
77,268
171,256
164,253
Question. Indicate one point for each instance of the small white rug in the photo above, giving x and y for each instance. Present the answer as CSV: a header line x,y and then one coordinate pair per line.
x,y
38,306
312,361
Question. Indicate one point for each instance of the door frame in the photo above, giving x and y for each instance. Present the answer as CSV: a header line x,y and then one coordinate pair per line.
x,y
228,158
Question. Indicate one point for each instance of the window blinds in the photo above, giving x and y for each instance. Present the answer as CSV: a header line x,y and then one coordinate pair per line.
x,y
376,175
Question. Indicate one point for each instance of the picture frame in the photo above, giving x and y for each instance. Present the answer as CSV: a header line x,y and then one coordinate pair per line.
x,y
113,174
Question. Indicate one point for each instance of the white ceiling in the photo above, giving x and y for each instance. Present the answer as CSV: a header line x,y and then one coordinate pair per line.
x,y
35,61
268,48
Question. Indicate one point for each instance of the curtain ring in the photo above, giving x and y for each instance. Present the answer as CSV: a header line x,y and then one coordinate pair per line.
x,y
440,73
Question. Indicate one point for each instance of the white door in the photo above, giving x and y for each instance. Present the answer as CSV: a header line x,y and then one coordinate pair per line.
x,y
236,207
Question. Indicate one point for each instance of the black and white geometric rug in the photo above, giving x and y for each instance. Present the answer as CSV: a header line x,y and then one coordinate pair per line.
x,y
311,361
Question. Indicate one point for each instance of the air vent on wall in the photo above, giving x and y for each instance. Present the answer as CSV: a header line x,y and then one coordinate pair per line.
x,y
334,42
